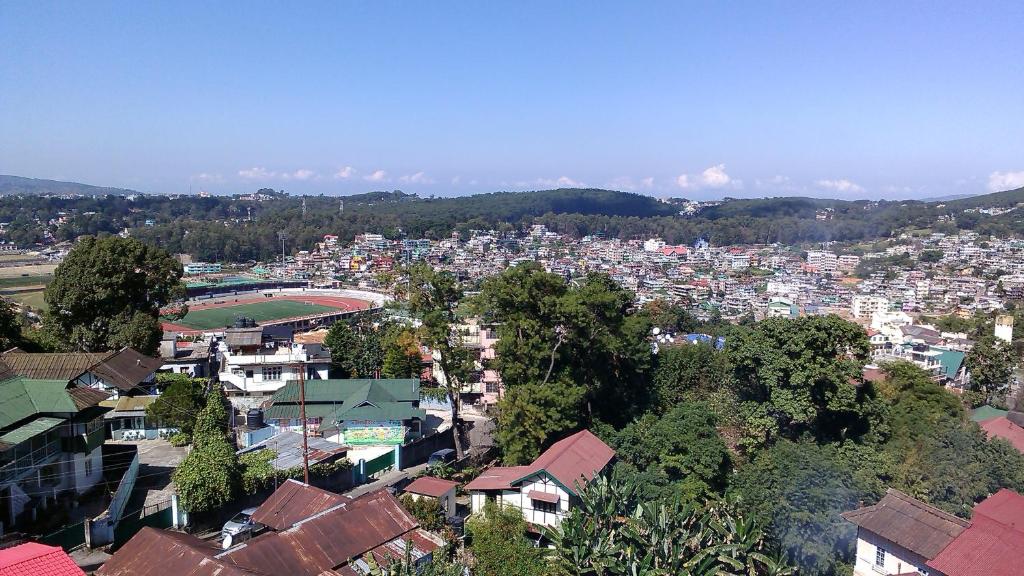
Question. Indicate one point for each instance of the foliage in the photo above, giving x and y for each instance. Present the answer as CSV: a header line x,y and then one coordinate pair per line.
x,y
208,476
677,454
568,355
107,294
179,439
402,358
10,325
499,544
531,416
800,374
427,511
257,470
180,401
689,368
433,298
990,363
356,348
614,531
798,490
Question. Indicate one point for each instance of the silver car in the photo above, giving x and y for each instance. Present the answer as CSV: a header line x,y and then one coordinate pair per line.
x,y
241,526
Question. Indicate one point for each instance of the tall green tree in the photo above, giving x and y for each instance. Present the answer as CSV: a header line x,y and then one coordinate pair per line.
x,y
433,299
688,370
208,477
10,325
402,357
803,375
108,293
990,363
356,348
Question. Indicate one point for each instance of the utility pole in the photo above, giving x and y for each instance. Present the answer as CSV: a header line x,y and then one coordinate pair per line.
x,y
302,415
283,236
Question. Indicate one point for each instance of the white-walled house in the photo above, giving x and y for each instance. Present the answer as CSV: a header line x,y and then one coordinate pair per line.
x,y
434,488
900,534
547,489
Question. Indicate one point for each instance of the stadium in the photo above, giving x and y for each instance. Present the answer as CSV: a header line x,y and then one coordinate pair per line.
x,y
299,308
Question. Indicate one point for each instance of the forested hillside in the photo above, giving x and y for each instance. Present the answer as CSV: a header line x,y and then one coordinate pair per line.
x,y
240,228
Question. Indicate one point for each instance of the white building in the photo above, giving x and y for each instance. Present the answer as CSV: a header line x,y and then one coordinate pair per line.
x,y
547,489
253,366
865,306
824,261
202,268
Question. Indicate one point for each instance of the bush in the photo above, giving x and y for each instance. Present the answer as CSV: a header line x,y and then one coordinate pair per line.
x,y
179,439
426,510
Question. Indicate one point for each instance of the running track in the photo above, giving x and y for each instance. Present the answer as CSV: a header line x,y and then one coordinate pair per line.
x,y
339,302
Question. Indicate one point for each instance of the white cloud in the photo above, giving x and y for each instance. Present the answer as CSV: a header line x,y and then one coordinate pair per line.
x,y
376,176
712,177
300,174
627,184
345,173
257,173
207,177
647,182
999,181
561,182
417,178
842,186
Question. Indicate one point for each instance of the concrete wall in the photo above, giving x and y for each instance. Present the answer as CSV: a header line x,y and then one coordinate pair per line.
x,y
898,560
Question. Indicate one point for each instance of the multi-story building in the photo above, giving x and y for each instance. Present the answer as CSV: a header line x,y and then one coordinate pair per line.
x,y
823,261
196,268
254,365
864,306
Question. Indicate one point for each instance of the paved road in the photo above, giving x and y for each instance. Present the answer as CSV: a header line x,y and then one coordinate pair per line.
x,y
386,480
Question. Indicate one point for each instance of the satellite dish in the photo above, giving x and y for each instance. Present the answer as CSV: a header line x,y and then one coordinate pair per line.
x,y
656,330
226,543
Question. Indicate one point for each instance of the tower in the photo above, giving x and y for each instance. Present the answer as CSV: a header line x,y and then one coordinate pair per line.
x,y
1004,328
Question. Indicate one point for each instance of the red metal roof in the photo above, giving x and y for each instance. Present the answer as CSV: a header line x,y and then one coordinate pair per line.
x,y
576,459
987,548
294,501
154,552
327,541
543,496
34,559
430,486
1001,427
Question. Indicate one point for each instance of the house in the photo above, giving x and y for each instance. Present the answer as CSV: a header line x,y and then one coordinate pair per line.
x,y
1003,427
435,488
333,539
293,502
352,412
253,362
33,558
191,358
288,448
901,535
548,488
51,438
122,372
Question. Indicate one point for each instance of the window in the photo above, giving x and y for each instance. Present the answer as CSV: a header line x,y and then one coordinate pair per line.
x,y
88,467
272,373
492,387
879,556
548,507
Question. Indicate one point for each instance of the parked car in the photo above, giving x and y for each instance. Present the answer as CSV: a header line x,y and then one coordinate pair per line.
x,y
241,527
444,456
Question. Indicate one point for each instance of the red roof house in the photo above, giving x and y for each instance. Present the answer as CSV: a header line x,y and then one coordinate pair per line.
x,y
544,489
1001,427
35,559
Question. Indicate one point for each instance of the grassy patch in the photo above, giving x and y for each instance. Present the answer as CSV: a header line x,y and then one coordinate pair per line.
x,y
258,311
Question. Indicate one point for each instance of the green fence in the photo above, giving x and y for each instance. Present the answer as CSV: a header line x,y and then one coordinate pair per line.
x,y
128,527
67,538
382,462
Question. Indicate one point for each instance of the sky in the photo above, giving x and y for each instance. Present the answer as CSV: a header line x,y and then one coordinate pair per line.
x,y
687,99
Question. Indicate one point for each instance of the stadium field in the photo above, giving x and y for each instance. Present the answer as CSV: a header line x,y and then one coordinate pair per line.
x,y
220,317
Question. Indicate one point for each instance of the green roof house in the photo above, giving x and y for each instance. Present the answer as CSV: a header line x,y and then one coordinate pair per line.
x,y
353,412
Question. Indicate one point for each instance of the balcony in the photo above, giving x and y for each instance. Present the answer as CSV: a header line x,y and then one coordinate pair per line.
x,y
29,463
83,443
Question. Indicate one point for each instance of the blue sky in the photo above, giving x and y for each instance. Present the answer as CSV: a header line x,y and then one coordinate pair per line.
x,y
702,100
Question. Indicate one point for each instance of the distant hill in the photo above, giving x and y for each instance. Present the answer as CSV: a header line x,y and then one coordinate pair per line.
x,y
19,185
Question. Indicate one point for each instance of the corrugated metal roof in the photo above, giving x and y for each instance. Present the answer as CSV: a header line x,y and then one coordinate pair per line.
x,y
912,524
328,541
134,403
85,397
356,399
33,428
991,545
430,486
288,447
21,398
294,501
52,365
241,337
153,552
126,368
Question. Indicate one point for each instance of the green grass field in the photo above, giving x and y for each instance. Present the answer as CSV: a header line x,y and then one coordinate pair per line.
x,y
258,311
